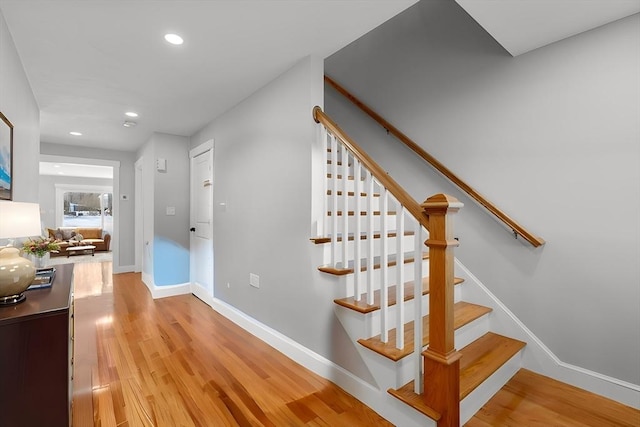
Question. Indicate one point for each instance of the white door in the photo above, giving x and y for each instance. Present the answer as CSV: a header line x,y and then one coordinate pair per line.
x,y
201,241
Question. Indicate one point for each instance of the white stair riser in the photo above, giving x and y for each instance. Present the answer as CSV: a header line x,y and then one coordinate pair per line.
x,y
351,202
377,222
390,374
347,281
372,325
377,245
485,391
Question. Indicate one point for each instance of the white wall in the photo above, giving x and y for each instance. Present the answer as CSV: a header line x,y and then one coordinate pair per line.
x,y
552,137
19,105
262,173
125,182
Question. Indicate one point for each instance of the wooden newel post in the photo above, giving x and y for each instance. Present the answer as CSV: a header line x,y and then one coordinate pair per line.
x,y
441,359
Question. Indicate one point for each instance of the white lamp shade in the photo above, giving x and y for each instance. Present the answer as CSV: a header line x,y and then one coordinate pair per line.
x,y
18,219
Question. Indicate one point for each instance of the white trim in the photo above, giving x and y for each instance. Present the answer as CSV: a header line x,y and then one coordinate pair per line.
x,y
124,269
539,358
170,290
202,148
115,164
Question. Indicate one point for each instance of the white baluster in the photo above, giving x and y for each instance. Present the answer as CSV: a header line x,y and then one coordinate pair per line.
x,y
357,169
400,276
370,243
326,145
417,320
334,200
384,268
345,206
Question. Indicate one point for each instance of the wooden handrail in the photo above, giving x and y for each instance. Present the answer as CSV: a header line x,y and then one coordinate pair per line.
x,y
510,222
380,174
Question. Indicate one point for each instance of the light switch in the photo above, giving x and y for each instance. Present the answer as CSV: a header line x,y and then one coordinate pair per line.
x,y
171,210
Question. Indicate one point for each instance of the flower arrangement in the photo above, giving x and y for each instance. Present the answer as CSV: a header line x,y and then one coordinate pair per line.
x,y
39,247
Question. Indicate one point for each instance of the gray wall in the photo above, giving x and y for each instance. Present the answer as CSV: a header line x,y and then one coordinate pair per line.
x,y
168,235
19,105
262,172
47,198
552,137
126,217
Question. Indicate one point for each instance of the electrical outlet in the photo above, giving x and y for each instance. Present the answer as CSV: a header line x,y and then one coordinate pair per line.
x,y
254,280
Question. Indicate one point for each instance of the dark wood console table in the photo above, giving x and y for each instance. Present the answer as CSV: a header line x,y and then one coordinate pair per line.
x,y
36,351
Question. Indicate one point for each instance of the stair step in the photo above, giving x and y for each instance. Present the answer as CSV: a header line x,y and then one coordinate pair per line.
x,y
351,193
338,270
463,313
362,213
329,162
483,357
362,306
479,361
363,236
350,177
407,395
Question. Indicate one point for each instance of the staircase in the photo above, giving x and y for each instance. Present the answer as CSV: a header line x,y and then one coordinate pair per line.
x,y
392,260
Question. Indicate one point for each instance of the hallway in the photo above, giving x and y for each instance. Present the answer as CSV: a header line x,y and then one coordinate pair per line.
x,y
176,362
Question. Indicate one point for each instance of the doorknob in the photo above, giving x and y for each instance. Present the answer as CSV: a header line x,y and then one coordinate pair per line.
x,y
192,229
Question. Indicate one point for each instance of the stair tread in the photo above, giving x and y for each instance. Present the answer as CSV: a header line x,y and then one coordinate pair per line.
x,y
362,306
483,357
363,236
338,270
339,176
479,361
463,313
407,395
362,213
351,193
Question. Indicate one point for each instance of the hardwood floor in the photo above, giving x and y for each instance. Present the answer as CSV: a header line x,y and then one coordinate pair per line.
x,y
529,399
176,362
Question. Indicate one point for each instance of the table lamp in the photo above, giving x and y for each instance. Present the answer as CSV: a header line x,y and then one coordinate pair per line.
x,y
16,273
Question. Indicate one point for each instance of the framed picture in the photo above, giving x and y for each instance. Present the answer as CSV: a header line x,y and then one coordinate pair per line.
x,y
6,158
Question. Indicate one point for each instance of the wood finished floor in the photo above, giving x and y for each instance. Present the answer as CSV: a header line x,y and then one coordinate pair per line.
x,y
176,362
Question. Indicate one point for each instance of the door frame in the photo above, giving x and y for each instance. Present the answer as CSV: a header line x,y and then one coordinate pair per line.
x,y
193,153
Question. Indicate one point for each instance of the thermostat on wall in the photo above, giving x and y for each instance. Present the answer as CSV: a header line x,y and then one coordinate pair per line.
x,y
161,165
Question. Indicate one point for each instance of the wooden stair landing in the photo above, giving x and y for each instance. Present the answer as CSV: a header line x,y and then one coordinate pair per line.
x,y
362,306
479,361
338,270
463,313
534,399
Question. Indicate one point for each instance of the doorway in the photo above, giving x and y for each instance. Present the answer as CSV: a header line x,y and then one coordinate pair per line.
x,y
201,260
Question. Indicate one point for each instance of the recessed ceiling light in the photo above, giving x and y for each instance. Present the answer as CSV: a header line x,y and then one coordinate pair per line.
x,y
173,39
129,124
75,133
56,165
131,114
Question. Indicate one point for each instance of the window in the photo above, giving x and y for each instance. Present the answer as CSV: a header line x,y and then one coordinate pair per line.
x,y
88,210
84,206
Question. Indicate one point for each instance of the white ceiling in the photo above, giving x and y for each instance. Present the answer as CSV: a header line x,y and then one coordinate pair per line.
x,y
523,25
90,61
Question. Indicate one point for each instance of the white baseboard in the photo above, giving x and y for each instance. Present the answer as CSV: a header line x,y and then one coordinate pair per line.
x,y
170,290
164,291
123,269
